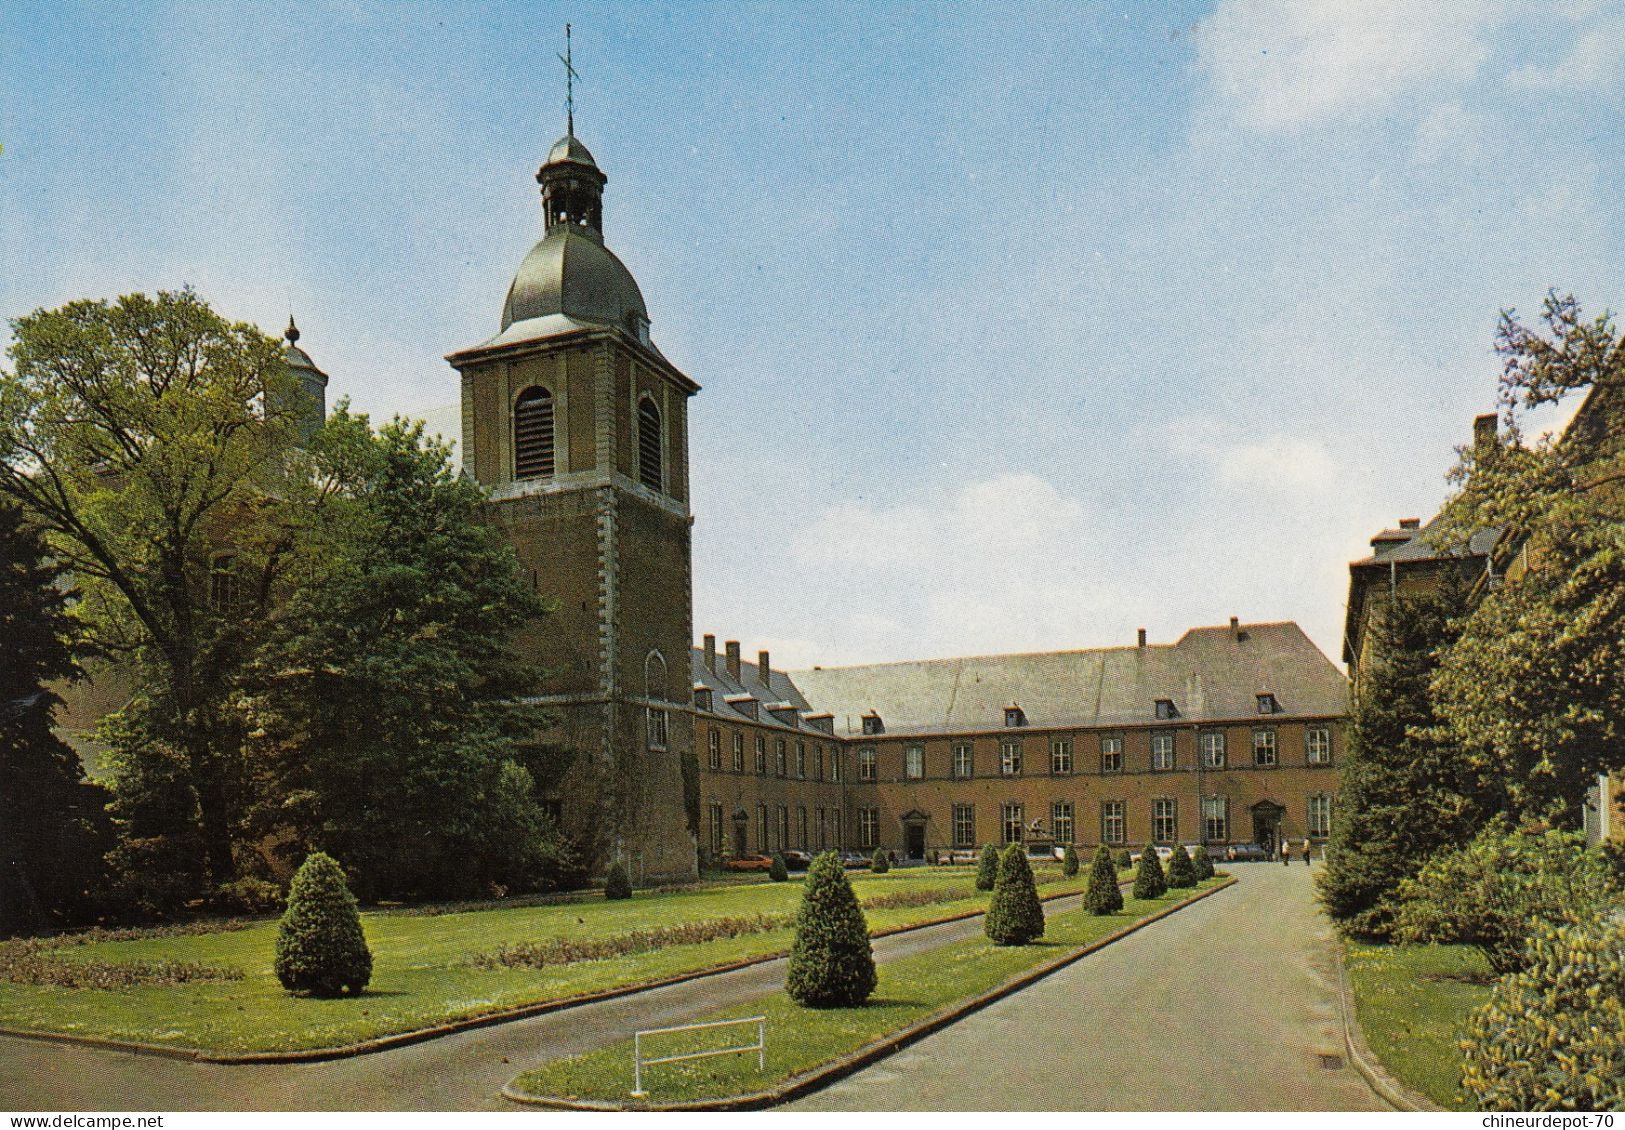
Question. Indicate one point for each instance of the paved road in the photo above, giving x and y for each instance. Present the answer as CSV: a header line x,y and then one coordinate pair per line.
x,y
1227,1005
463,1071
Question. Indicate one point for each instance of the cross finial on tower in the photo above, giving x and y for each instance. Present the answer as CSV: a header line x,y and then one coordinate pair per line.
x,y
570,77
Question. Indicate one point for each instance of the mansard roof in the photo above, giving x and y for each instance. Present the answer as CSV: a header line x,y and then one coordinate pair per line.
x,y
1210,674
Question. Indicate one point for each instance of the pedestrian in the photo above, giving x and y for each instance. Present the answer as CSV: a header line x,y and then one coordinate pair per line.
x,y
1286,852
1306,851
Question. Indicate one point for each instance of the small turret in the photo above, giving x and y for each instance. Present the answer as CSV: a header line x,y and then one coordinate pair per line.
x,y
312,382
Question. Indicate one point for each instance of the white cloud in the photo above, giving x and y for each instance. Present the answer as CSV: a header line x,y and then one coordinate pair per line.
x,y
1284,65
1452,134
1279,464
1597,62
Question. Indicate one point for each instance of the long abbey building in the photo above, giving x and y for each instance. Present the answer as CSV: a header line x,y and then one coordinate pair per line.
x,y
577,426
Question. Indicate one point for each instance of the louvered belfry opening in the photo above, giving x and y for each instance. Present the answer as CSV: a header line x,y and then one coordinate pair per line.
x,y
533,434
649,445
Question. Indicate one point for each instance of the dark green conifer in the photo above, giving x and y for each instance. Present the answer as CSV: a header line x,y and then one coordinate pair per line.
x,y
879,864
987,868
1014,917
831,962
320,948
1181,871
1069,861
1149,882
1122,860
1104,896
780,871
617,884
1202,863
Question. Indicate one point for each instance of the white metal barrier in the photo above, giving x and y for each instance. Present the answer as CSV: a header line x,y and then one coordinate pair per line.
x,y
639,1063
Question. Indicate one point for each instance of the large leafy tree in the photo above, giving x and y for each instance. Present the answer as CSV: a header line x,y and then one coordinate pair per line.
x,y
144,436
1407,787
385,712
51,820
1535,687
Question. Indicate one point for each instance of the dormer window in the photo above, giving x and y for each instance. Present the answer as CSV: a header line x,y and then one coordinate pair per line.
x,y
702,698
1015,716
1268,705
1166,709
872,724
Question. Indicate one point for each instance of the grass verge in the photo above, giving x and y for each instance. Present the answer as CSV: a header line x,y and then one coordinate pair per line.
x,y
1412,1002
423,969
910,990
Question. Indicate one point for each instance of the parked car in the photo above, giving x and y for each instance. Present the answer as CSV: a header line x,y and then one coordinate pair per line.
x,y
854,860
796,860
749,863
1244,853
1164,854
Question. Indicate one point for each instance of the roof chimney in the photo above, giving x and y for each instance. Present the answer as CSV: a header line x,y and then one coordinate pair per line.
x,y
1142,637
710,652
1484,431
1235,626
1410,523
733,659
765,668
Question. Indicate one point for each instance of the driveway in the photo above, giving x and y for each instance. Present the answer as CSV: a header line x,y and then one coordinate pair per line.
x,y
1228,1005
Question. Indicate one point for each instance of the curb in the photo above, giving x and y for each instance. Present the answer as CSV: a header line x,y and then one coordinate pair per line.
x,y
1365,1061
827,1073
434,1032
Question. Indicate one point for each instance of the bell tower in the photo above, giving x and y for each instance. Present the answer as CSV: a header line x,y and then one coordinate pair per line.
x,y
577,426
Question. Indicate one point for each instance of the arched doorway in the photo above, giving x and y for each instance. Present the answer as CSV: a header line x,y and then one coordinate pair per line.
x,y
914,834
741,835
1267,825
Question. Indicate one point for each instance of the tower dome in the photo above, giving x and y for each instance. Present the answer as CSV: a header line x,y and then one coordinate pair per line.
x,y
312,387
570,272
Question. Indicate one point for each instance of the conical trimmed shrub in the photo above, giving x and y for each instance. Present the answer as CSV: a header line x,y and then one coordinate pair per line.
x,y
1149,882
1069,861
1121,860
1202,863
879,864
779,871
1103,896
1015,916
617,884
987,868
320,948
1181,871
831,962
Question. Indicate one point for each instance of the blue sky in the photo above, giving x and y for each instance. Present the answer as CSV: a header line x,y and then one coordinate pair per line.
x,y
1020,325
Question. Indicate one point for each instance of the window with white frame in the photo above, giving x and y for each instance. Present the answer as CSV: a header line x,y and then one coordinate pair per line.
x,y
1162,750
1320,816
914,762
823,828
1317,744
1113,825
1015,824
781,759
716,828
835,763
1060,756
1010,758
739,753
1111,754
656,722
964,825
1212,743
801,827
713,749
761,756
1060,821
784,827
964,761
1164,820
761,828
1264,750
869,827
866,763
835,827
801,760
818,762
1215,819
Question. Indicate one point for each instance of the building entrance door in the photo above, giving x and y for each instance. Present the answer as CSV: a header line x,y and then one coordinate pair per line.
x,y
741,842
1267,826
914,841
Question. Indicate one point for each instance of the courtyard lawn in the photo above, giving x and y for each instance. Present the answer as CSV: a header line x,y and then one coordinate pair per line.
x,y
1412,1003
800,1039
422,970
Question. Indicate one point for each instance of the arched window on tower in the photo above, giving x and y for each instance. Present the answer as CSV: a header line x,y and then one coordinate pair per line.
x,y
533,434
649,445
